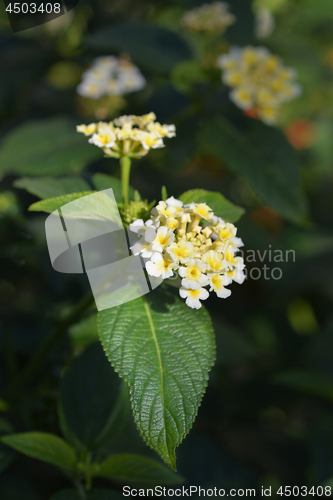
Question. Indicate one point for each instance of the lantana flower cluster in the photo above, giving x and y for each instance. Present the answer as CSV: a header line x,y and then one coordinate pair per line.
x,y
193,243
110,75
128,135
209,18
260,81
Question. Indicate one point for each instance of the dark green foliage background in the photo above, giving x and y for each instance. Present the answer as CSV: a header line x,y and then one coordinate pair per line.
x,y
267,416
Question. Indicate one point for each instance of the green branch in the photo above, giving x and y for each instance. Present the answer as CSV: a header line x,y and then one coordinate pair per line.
x,y
125,164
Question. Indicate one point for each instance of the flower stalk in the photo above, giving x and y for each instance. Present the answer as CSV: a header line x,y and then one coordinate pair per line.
x,y
125,165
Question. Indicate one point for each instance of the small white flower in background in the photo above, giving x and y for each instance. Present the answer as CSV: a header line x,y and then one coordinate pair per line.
x,y
209,18
259,80
264,23
128,135
110,75
193,243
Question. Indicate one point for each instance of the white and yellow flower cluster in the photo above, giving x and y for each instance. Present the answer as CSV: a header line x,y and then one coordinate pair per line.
x,y
110,75
191,242
128,135
259,79
209,18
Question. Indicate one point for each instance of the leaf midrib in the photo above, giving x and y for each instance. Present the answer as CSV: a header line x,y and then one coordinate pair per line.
x,y
152,327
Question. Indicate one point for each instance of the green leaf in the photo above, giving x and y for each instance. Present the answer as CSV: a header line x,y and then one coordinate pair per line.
x,y
89,392
46,147
84,332
217,202
152,47
188,73
164,350
137,469
118,419
67,432
100,494
52,204
164,193
305,381
6,454
104,181
263,157
49,187
97,207
4,406
43,446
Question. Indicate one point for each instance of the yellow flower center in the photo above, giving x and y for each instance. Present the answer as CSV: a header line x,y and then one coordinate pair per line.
x,y
214,259
195,273
194,294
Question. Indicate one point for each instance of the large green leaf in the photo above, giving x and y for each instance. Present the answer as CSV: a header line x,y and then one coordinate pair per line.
x,y
46,147
151,47
100,494
49,187
89,392
104,181
164,350
43,446
217,202
137,469
263,157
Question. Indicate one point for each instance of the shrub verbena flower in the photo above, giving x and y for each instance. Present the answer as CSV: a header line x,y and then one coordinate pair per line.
x,y
209,18
259,79
128,135
110,75
191,243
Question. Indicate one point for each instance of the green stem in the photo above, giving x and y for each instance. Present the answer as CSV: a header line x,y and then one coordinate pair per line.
x,y
81,490
125,164
34,364
88,473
